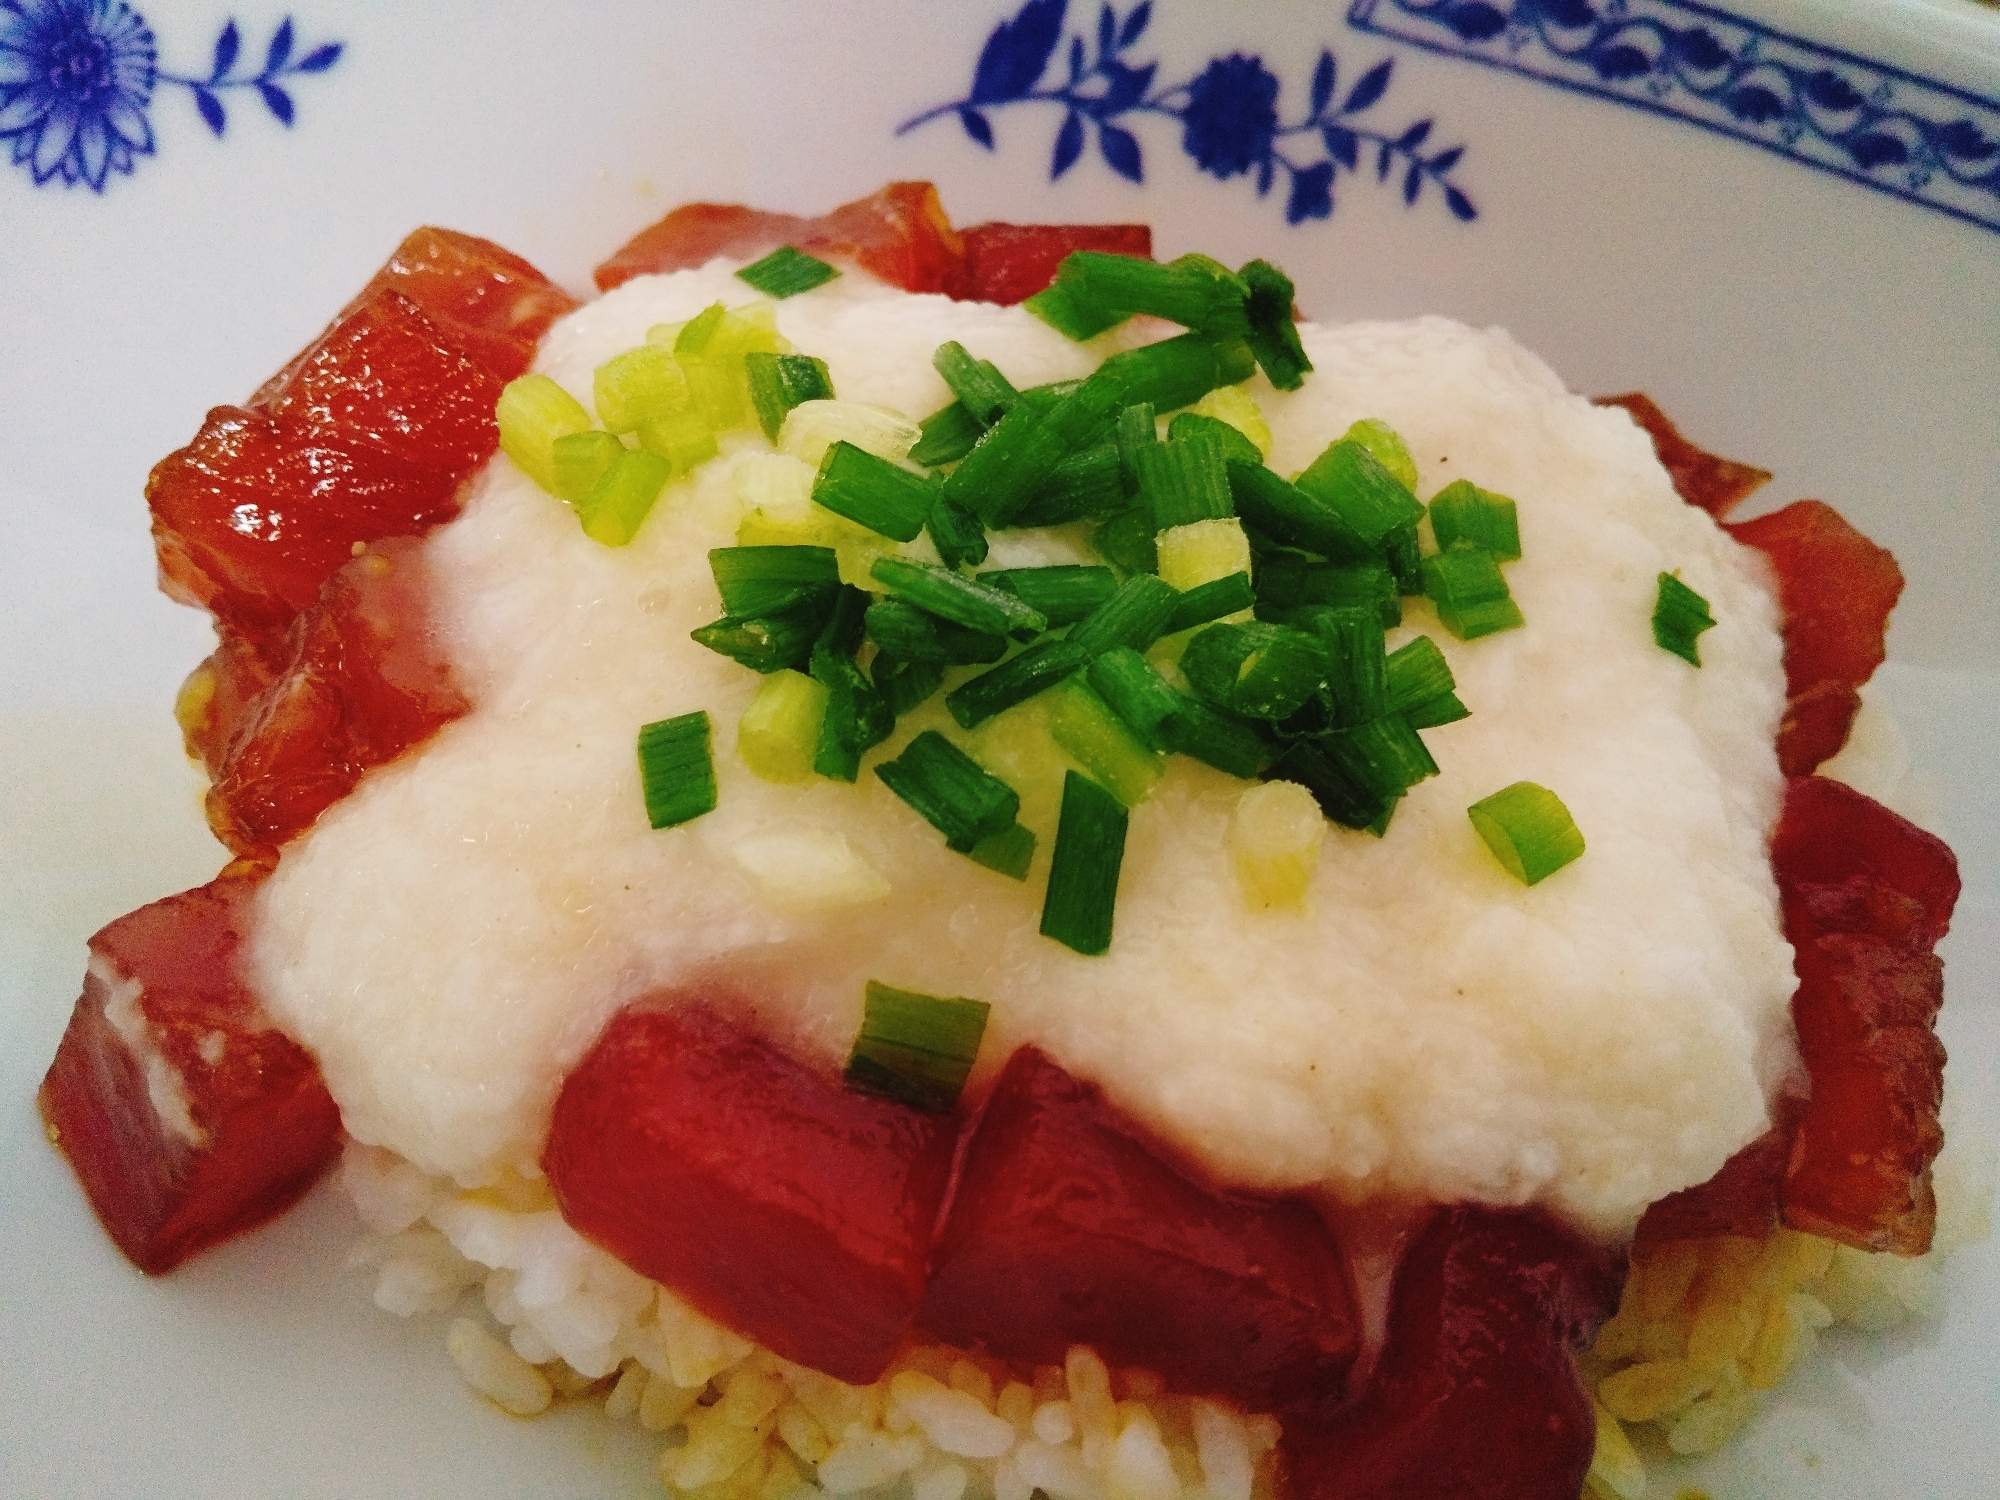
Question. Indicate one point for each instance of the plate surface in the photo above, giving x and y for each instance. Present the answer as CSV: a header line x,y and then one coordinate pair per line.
x,y
1786,229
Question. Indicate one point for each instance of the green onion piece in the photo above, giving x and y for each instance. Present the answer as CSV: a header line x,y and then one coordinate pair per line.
x,y
1064,592
1290,586
676,769
1357,686
621,500
882,496
1211,601
1339,795
1390,451
637,386
786,272
1010,853
779,731
719,390
1127,541
1193,291
1178,372
980,387
1084,725
857,716
1256,670
766,643
952,596
915,1049
1528,829
1131,689
765,580
1470,594
1232,441
1415,673
902,630
955,795
1087,483
1274,332
682,438
1291,516
1083,871
1044,664
1406,560
1135,616
578,461
904,684
1056,307
1194,729
1043,399
1679,615
949,434
1385,757
1462,511
779,382
1351,480
956,533
696,332
1002,474
1136,428
532,413
1184,480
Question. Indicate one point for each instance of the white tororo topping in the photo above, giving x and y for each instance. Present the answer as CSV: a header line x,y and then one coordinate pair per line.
x,y
450,938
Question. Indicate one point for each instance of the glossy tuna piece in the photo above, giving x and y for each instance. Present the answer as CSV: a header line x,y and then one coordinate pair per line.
x,y
1740,1199
1836,588
1008,263
362,679
371,438
1476,1396
777,1202
184,1115
1067,1226
1717,485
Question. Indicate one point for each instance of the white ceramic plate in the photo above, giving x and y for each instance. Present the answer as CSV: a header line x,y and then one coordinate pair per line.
x,y
1783,221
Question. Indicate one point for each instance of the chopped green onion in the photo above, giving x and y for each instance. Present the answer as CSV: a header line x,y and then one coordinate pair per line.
x,y
1339,795
812,427
902,630
956,533
1274,332
948,435
1470,594
1044,664
1190,425
1211,601
1390,451
532,413
1237,410
779,382
1421,687
1083,871
1140,696
693,336
1357,688
885,498
1009,853
1385,757
1288,583
764,580
1289,515
1184,480
766,643
682,438
779,731
952,596
915,1049
1090,482
1214,739
1202,551
1178,372
1405,558
1462,511
1084,725
857,716
951,790
1256,670
719,390
1126,541
1003,473
676,769
1135,616
1679,615
980,387
1528,829
637,386
904,684
1136,428
623,497
1368,497
786,272
1064,592
579,460
1193,291
1073,320
1275,836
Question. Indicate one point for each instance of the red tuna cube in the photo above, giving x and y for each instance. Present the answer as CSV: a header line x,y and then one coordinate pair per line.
x,y
774,1200
184,1115
1067,1226
1009,263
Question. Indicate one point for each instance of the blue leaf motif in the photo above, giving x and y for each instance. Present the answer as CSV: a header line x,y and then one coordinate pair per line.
x,y
280,50
319,59
1069,145
1265,169
227,46
1458,203
1961,138
277,101
1475,22
1312,194
1444,161
1107,32
1322,86
1414,136
1134,24
976,126
1877,150
1075,61
1128,87
1754,104
211,110
1384,158
1621,62
1370,88
1121,152
1568,12
1699,49
1343,143
1413,183
1829,90
1017,52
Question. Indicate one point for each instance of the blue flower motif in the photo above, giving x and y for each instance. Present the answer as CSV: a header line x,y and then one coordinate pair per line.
x,y
1230,119
75,79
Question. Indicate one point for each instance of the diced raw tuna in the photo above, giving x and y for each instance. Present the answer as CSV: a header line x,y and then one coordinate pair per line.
x,y
1067,1226
363,679
776,1201
1008,263
1866,896
184,1115
1476,1396
1702,479
1740,1199
1836,588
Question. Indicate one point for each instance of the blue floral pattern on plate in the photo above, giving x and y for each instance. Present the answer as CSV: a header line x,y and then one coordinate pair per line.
x,y
78,77
1896,132
1228,112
